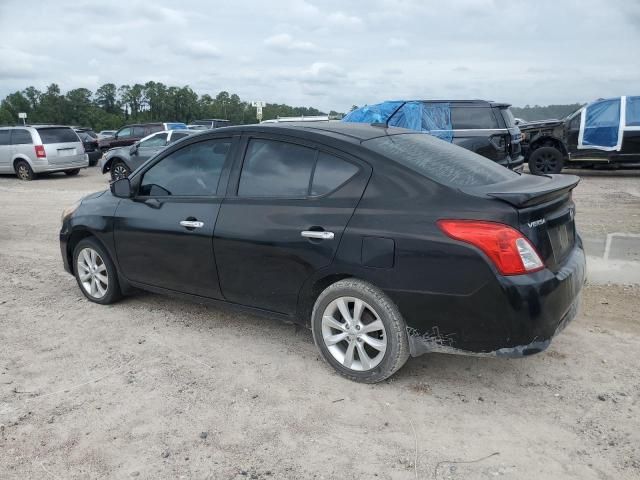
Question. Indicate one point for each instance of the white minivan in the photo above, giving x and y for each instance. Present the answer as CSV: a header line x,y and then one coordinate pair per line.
x,y
30,150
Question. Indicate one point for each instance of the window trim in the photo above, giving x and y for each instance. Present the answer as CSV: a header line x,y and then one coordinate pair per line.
x,y
234,182
136,180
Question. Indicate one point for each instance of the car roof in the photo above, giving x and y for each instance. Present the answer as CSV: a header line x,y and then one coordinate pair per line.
x,y
468,103
346,131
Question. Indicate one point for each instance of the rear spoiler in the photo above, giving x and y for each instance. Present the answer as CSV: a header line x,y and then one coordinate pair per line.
x,y
528,190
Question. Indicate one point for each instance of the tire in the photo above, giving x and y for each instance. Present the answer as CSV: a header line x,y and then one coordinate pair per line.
x,y
95,272
545,160
72,173
334,339
119,170
24,171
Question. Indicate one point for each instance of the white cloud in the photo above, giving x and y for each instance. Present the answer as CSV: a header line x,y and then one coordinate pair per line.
x,y
342,19
198,49
284,41
110,44
398,42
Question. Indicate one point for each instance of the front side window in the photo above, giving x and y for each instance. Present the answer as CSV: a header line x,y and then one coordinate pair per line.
x,y
124,132
21,137
194,170
276,169
159,140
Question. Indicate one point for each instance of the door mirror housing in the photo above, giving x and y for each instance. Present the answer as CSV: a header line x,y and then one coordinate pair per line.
x,y
121,188
134,148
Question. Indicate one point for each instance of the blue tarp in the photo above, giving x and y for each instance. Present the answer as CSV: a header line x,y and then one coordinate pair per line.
x,y
602,124
433,118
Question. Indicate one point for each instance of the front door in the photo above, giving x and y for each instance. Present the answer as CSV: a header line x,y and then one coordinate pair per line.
x,y
164,235
284,220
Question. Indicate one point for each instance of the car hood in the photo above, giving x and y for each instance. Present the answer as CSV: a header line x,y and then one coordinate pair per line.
x,y
552,122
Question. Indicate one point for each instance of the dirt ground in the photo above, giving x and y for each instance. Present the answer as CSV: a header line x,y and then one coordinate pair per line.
x,y
154,387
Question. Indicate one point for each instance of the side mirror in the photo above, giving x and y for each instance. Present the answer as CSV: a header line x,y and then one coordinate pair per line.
x,y
134,148
121,188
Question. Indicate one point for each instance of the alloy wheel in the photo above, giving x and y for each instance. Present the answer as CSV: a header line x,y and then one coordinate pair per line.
x,y
546,162
23,172
120,171
354,333
92,273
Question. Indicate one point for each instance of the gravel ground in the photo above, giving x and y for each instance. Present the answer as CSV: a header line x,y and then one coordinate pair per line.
x,y
155,387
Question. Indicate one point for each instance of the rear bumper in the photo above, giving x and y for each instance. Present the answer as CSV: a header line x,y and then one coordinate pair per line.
x,y
60,167
94,157
516,317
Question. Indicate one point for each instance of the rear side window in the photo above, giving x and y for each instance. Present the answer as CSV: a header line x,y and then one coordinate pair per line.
x,y
633,112
138,132
155,128
440,161
5,136
21,137
473,118
276,169
57,135
191,171
330,173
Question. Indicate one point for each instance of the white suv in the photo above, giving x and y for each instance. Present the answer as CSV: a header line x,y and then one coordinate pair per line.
x,y
29,150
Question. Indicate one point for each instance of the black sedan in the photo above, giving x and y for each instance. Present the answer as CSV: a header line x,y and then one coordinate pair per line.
x,y
386,242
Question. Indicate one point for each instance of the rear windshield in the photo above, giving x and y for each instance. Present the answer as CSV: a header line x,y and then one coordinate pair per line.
x,y
440,161
57,135
176,126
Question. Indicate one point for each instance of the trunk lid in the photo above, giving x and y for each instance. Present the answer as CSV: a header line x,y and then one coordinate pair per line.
x,y
545,212
61,144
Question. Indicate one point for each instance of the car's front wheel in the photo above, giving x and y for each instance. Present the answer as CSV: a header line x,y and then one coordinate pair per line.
x,y
95,272
359,331
119,170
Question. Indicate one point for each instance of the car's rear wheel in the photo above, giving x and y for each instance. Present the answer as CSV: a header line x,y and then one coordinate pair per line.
x,y
545,160
119,170
95,272
24,170
71,173
359,331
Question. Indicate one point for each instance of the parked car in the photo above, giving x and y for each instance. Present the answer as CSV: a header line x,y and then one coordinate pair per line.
x,y
30,150
106,133
604,133
386,242
213,123
484,127
123,160
302,118
90,143
130,134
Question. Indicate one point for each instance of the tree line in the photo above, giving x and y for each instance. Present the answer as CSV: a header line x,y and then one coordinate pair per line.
x,y
537,112
110,106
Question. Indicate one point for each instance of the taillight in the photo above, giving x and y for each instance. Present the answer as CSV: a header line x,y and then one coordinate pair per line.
x,y
40,153
506,247
499,142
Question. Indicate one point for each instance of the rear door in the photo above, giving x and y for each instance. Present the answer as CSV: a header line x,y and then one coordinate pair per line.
x,y
288,206
477,128
22,143
62,145
164,236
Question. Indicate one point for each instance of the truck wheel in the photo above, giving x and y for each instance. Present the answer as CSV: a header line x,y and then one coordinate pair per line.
x,y
546,160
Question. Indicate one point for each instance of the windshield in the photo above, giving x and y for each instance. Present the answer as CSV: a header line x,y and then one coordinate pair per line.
x,y
440,161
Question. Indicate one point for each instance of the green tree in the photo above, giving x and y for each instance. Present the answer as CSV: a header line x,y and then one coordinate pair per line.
x,y
107,98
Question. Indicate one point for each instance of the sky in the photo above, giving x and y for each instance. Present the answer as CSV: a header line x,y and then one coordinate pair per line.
x,y
330,54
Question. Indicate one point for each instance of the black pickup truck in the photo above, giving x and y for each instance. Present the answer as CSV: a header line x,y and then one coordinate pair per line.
x,y
551,145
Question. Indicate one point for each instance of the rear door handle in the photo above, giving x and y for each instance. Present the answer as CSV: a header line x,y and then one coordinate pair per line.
x,y
191,224
316,234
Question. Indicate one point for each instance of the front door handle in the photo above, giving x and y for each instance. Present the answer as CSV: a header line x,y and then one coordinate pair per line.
x,y
322,235
191,224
